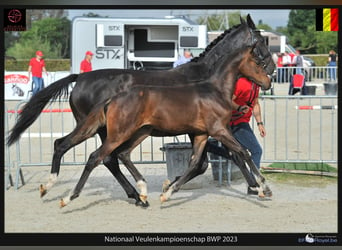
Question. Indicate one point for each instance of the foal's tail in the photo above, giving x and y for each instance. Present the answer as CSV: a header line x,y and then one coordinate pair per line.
x,y
32,109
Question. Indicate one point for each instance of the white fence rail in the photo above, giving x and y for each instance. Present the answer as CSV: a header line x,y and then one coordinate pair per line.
x,y
312,74
299,129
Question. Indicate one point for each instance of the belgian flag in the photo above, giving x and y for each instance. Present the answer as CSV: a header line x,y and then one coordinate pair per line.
x,y
327,19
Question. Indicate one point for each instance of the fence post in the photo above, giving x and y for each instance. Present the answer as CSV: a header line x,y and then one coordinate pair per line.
x,y
8,176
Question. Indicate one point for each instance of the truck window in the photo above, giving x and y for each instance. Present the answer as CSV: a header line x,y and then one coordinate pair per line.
x,y
144,48
112,40
189,41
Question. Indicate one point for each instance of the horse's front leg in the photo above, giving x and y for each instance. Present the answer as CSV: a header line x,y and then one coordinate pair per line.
x,y
202,167
193,170
241,157
266,191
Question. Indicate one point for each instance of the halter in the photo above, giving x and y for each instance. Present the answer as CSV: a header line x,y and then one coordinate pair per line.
x,y
256,51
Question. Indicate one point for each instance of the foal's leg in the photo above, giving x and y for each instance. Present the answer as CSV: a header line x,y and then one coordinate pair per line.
x,y
222,151
112,163
202,167
198,147
230,142
61,146
124,155
94,160
55,167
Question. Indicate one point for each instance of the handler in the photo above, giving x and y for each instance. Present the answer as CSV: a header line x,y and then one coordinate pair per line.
x,y
36,67
86,63
245,103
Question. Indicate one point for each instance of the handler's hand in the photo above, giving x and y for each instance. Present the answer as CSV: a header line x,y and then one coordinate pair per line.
x,y
262,130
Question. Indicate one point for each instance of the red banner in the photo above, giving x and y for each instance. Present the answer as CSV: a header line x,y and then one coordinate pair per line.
x,y
16,78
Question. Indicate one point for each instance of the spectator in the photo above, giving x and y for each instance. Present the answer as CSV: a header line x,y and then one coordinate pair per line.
x,y
86,63
187,56
298,60
332,63
36,67
286,63
280,69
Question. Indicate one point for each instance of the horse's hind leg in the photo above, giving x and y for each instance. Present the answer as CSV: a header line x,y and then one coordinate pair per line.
x,y
112,163
94,160
83,131
124,155
61,146
55,167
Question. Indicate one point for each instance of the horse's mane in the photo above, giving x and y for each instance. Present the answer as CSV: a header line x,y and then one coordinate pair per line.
x,y
214,42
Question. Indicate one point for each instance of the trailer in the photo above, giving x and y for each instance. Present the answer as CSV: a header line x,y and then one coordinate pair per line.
x,y
135,43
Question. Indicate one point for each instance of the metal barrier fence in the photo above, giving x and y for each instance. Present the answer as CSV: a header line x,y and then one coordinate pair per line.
x,y
316,74
7,163
299,129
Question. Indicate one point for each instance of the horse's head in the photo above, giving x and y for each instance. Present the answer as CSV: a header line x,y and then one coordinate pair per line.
x,y
258,64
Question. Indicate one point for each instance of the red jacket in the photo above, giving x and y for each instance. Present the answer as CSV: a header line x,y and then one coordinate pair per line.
x,y
246,93
37,67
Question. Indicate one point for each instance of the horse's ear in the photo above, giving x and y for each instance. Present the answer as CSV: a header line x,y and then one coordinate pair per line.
x,y
250,22
242,20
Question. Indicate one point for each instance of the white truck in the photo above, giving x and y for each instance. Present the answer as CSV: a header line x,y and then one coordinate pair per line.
x,y
135,43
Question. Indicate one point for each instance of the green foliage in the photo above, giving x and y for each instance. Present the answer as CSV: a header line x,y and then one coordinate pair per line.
x,y
27,49
302,34
323,167
320,60
51,65
50,35
262,26
326,41
222,21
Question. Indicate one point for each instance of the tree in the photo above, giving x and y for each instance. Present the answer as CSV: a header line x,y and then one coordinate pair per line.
x,y
51,35
220,21
33,15
302,33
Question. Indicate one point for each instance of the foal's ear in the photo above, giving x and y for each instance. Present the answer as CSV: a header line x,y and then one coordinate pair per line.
x,y
242,20
250,22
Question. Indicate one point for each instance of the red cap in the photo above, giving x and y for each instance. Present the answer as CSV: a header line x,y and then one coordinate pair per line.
x,y
89,53
39,53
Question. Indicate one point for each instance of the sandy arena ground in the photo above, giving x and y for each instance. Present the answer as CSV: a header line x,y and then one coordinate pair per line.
x,y
103,206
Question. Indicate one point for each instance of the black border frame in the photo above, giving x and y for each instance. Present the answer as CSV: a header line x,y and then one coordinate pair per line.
x,y
90,240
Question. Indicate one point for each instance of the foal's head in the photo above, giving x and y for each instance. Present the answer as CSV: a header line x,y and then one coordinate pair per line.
x,y
257,63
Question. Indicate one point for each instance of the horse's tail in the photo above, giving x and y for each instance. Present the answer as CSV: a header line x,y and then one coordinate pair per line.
x,y
33,108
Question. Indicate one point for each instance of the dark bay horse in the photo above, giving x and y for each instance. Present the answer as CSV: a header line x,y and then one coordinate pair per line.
x,y
94,87
202,109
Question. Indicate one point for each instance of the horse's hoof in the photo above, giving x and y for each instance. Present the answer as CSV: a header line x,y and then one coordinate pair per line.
x,y
268,193
143,198
142,204
166,186
162,198
42,190
261,194
62,203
